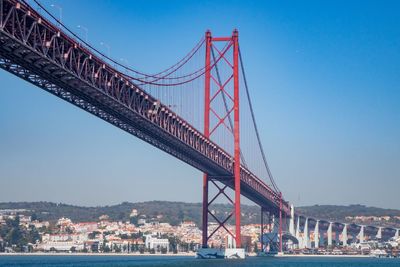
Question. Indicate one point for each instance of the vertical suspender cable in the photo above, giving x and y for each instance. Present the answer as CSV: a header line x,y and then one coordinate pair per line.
x,y
255,124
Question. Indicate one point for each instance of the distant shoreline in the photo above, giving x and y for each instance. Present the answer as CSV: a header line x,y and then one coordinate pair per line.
x,y
191,254
324,256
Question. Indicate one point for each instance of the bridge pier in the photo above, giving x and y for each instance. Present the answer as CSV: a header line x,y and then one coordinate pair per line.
x,y
344,235
316,235
360,235
396,235
306,236
297,234
329,234
292,231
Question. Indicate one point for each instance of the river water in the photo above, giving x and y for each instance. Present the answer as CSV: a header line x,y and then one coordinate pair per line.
x,y
98,260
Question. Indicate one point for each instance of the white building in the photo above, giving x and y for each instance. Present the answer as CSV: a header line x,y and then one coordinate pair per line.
x,y
62,242
156,243
61,246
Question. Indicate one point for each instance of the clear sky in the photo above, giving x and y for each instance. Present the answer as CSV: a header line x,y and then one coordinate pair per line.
x,y
325,80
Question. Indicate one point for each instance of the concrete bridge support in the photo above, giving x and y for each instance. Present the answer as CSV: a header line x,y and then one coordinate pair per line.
x,y
344,236
316,235
306,237
396,235
329,234
360,235
298,232
291,222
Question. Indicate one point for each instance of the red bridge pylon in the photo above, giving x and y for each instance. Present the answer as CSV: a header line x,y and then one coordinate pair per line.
x,y
231,47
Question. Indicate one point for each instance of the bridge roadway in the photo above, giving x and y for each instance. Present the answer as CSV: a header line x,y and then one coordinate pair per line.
x,y
34,49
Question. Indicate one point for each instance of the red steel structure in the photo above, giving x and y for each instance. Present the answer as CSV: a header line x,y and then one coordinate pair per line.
x,y
208,110
34,49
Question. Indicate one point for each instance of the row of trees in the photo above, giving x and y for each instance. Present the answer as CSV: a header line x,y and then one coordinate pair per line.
x,y
17,236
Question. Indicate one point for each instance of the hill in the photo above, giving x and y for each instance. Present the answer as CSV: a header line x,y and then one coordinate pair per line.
x,y
176,212
334,212
164,211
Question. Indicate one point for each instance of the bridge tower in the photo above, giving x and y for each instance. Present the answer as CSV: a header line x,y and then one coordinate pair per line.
x,y
232,46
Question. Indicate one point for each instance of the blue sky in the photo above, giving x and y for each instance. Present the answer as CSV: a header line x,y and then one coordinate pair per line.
x,y
324,76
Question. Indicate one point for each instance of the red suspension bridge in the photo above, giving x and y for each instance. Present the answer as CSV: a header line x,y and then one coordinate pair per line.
x,y
198,110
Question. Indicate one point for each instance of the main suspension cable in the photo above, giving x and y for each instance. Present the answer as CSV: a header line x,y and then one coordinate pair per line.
x,y
193,51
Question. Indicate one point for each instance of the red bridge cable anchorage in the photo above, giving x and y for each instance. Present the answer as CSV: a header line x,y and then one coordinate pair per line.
x,y
255,125
193,51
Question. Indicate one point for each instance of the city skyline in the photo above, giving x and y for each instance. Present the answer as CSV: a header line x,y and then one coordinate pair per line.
x,y
328,111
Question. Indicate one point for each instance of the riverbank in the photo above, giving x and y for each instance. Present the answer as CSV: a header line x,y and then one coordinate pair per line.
x,y
323,256
189,254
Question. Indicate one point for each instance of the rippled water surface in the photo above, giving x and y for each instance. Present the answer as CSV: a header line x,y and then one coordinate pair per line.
x,y
75,260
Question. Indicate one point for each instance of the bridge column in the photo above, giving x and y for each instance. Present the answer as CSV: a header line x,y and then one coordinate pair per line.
x,y
396,235
329,234
209,106
360,235
291,222
344,235
262,231
306,235
316,235
236,136
207,95
298,232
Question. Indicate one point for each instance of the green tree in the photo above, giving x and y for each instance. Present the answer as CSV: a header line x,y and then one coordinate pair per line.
x,y
117,248
93,234
106,248
34,217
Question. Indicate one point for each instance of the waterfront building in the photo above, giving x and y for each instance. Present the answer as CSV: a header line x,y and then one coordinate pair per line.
x,y
156,243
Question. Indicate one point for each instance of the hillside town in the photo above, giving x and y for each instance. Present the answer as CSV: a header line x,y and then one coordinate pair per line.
x,y
140,235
